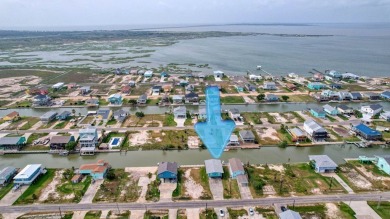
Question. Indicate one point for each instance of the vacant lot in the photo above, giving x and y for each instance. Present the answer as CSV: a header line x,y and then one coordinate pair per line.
x,y
230,186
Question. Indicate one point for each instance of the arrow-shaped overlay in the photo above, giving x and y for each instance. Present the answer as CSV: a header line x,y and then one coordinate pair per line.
x,y
215,132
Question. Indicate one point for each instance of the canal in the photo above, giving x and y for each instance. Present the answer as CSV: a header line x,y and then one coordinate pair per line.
x,y
274,107
190,157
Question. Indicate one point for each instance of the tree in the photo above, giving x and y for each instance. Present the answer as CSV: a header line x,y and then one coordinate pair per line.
x,y
260,97
111,175
132,102
285,98
283,144
139,114
73,111
70,146
34,196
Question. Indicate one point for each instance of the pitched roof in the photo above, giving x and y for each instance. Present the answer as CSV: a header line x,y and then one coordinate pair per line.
x,y
385,157
323,161
59,139
246,134
367,130
344,107
289,214
191,95
375,106
9,140
317,110
213,166
167,166
180,109
13,114
99,167
297,132
314,126
385,93
27,171
6,172
65,113
48,115
328,107
104,113
143,97
242,179
236,164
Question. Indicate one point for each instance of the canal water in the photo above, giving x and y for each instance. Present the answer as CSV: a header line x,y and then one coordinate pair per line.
x,y
275,107
191,157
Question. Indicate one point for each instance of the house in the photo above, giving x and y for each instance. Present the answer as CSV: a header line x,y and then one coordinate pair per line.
x,y
218,74
28,174
253,77
372,96
177,99
164,74
250,87
343,95
167,170
104,114
58,85
367,132
64,115
202,115
126,89
335,86
190,87
85,90
371,110
141,72
233,141
291,86
356,96
156,90
297,134
120,115
385,115
133,71
11,117
142,99
322,163
350,76
318,76
316,86
167,88
201,75
92,102
88,137
318,113
331,95
335,74
95,170
237,171
180,112
37,91
6,175
47,117
234,113
188,75
214,168
247,136
385,95
269,86
148,74
58,142
132,83
319,97
330,110
41,100
271,98
314,130
383,163
191,98
183,83
344,109
115,99
12,142
289,214
293,75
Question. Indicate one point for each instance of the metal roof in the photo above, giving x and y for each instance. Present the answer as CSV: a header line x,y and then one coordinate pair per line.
x,y
367,130
6,172
289,214
328,107
246,134
314,126
323,161
167,166
59,139
297,132
236,164
48,115
28,171
213,166
9,140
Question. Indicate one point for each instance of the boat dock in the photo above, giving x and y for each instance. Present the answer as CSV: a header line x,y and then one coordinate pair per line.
x,y
359,144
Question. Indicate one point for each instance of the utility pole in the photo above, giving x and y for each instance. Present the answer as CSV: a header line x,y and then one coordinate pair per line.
x,y
117,206
60,212
294,205
330,186
281,184
379,202
207,214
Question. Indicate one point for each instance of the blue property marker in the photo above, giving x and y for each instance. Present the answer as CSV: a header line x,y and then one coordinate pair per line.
x,y
215,132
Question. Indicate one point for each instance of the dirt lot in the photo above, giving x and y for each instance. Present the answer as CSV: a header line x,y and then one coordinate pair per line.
x,y
193,189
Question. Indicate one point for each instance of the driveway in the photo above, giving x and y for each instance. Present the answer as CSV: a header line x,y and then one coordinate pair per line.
x,y
361,209
91,192
12,196
224,210
341,181
192,213
166,189
137,214
180,122
245,192
79,214
143,183
172,213
216,188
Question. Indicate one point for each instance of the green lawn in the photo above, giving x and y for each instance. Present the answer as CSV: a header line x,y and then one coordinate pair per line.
x,y
309,211
169,120
4,190
230,186
383,210
208,214
93,215
61,125
153,192
300,98
34,190
78,189
346,211
232,99
236,213
179,192
342,117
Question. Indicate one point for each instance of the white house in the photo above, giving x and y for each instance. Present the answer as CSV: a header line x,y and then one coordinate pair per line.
x,y
255,77
234,140
28,174
371,110
57,86
269,86
88,137
218,74
180,112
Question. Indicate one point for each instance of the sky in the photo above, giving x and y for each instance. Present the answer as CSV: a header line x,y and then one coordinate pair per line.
x,y
35,14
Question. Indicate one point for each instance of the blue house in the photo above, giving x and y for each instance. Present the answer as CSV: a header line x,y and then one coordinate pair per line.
x,y
164,74
335,74
318,113
330,110
214,168
367,132
95,170
167,170
316,86
115,99
64,115
386,95
383,163
236,167
239,88
322,163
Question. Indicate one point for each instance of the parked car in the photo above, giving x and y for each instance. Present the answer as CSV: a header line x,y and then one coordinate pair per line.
x,y
283,208
251,212
221,213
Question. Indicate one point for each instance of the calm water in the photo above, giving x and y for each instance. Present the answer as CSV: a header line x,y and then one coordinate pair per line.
x,y
277,107
190,157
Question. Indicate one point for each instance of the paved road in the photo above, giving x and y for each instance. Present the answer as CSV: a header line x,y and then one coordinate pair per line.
x,y
123,129
197,204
